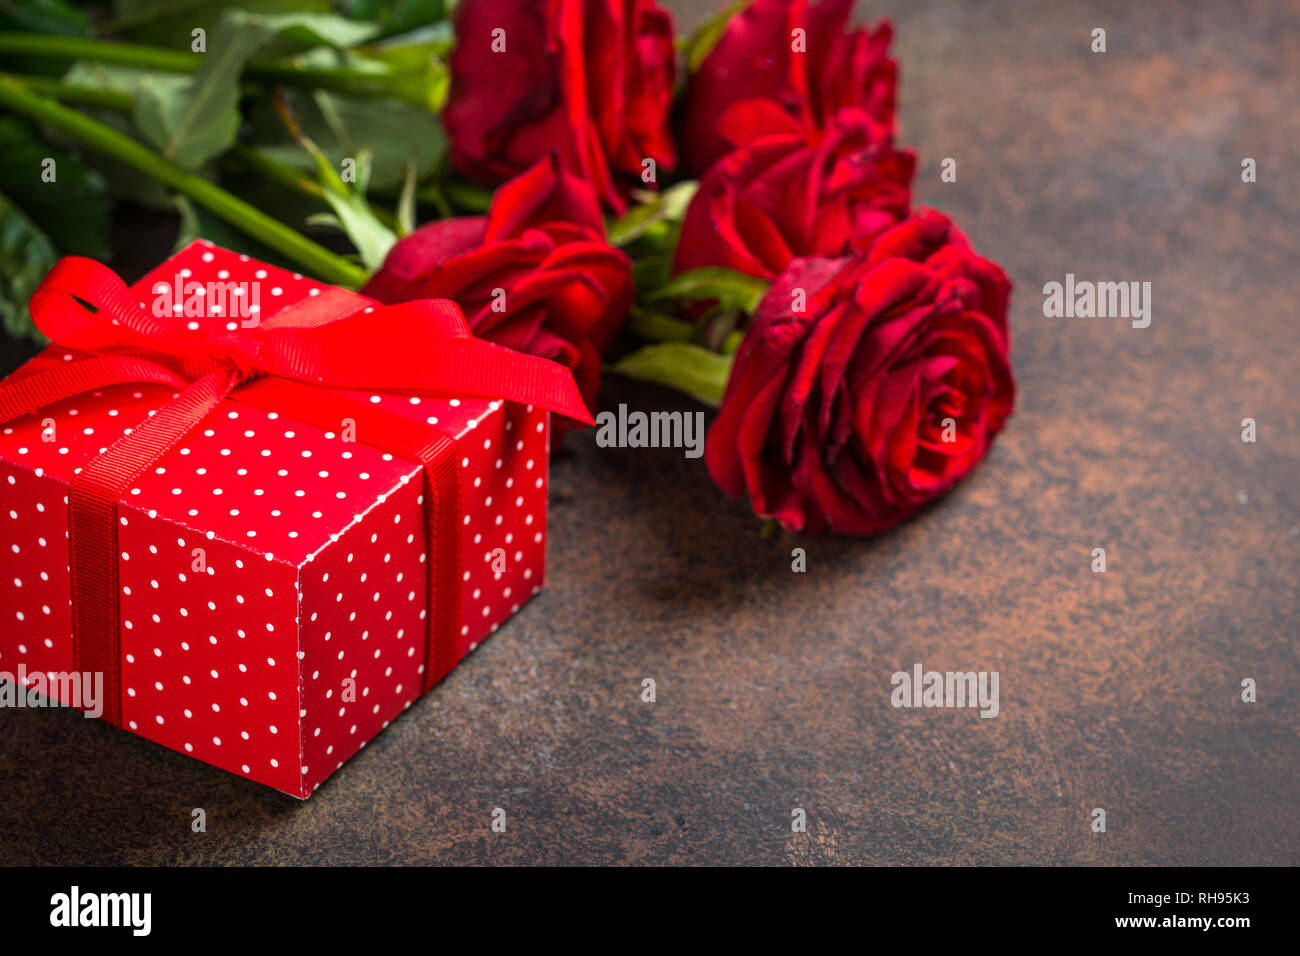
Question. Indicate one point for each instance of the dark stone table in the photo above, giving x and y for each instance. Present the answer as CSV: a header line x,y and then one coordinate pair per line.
x,y
1118,691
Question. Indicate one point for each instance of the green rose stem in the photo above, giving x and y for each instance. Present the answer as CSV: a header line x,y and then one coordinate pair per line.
x,y
67,93
315,259
86,95
404,86
277,172
273,170
100,51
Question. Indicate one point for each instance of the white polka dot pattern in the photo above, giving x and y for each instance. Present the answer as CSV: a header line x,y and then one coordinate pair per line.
x,y
273,575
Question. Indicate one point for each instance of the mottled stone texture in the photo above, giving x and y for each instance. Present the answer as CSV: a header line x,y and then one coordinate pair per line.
x,y
1118,690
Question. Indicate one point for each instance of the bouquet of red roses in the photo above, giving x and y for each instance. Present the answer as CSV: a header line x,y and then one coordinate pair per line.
x,y
736,202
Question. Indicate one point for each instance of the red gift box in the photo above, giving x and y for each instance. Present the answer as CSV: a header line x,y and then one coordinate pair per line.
x,y
274,575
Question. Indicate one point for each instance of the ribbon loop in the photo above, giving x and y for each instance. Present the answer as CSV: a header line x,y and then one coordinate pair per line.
x,y
118,320
423,346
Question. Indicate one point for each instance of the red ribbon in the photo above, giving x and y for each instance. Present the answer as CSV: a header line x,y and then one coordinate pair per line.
x,y
285,364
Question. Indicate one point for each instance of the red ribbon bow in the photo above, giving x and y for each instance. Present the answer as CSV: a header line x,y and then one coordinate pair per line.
x,y
286,364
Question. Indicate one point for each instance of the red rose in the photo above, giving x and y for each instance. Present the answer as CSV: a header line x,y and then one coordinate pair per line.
x,y
882,394
563,292
592,79
758,61
797,193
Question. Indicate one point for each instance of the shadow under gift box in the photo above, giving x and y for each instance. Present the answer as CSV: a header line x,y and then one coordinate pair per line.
x,y
273,575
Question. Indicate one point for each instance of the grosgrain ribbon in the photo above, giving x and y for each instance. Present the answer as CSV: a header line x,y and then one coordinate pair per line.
x,y
286,364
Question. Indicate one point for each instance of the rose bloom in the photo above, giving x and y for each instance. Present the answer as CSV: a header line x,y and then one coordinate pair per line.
x,y
564,293
789,191
755,63
592,79
882,394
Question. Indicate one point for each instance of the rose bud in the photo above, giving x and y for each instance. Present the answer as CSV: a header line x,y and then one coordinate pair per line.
x,y
796,56
796,192
535,274
878,395
592,79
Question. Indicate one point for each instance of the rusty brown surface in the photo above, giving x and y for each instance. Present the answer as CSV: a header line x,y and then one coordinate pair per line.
x,y
1118,691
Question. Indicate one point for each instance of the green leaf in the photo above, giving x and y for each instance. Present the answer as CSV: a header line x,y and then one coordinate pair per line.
x,y
169,22
303,28
406,204
123,181
371,237
703,40
658,327
110,77
395,16
439,35
186,124
416,71
55,17
191,119
26,255
688,368
43,16
667,206
352,213
631,224
727,287
73,209
674,200
395,132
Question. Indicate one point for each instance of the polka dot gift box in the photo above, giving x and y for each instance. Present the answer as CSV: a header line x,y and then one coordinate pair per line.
x,y
266,513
